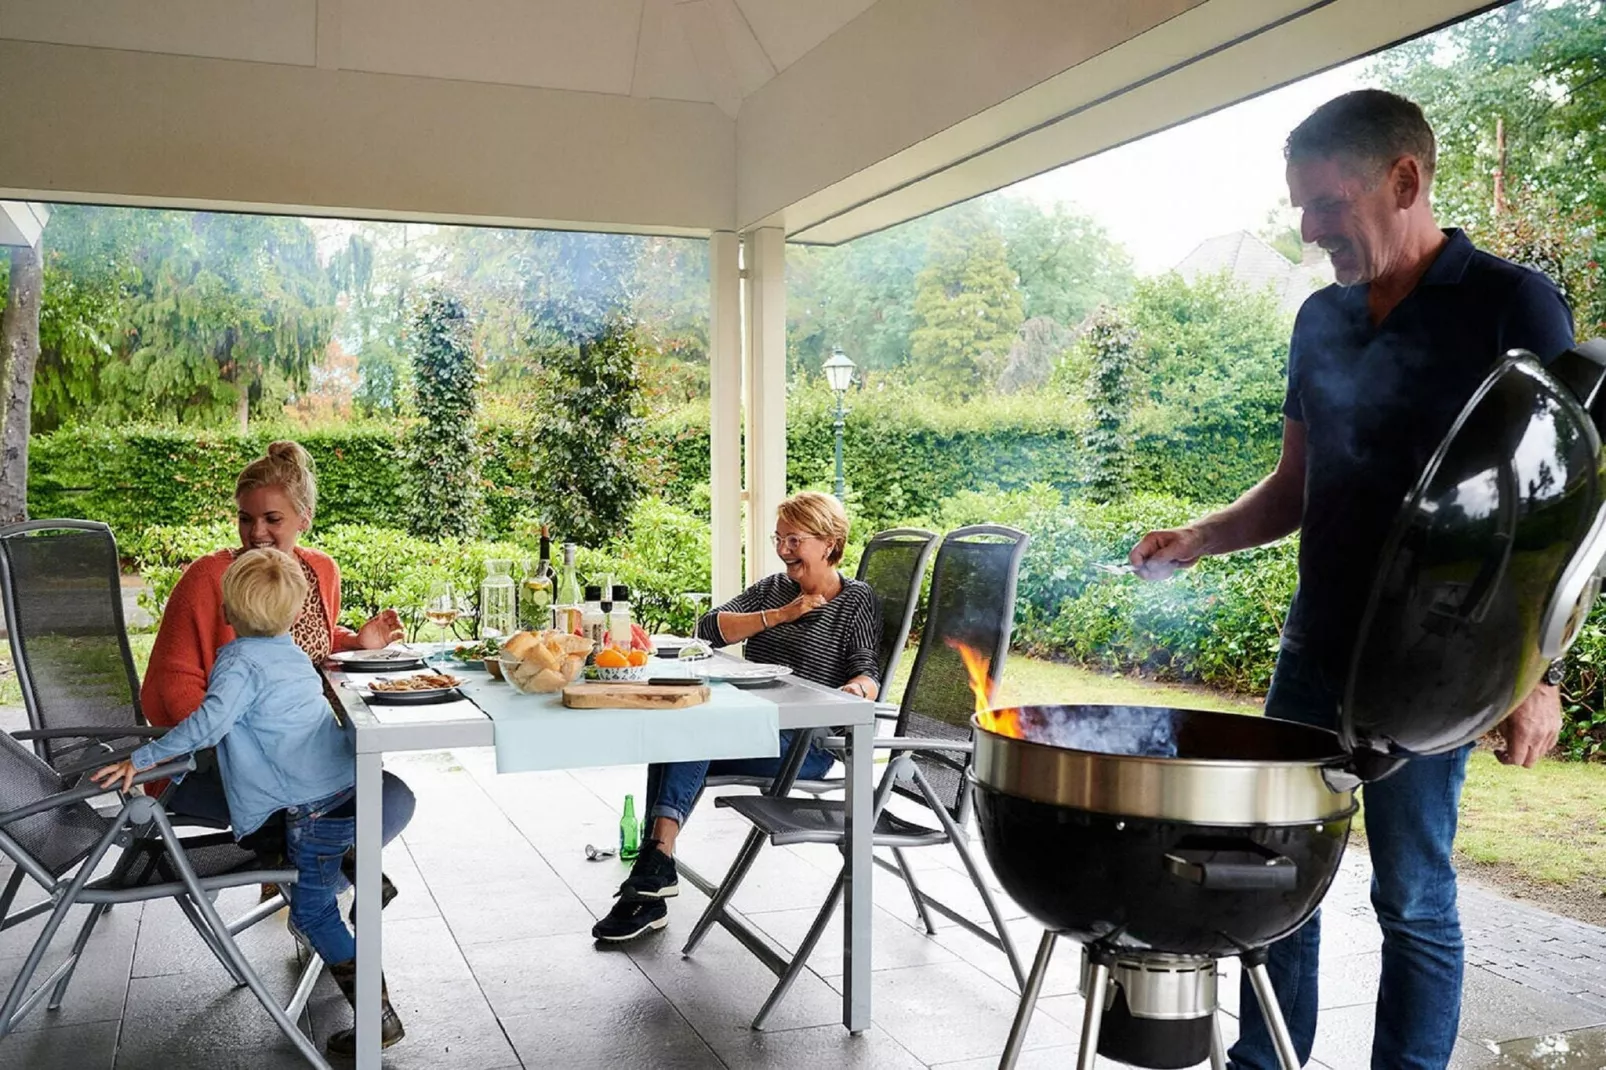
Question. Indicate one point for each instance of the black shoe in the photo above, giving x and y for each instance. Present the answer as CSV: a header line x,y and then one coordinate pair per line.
x,y
348,869
630,918
653,876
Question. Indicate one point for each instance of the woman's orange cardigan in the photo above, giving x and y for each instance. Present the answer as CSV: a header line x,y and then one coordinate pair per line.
x,y
193,631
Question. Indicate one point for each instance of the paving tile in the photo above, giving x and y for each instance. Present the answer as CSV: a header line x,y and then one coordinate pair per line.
x,y
722,986
169,944
531,976
510,910
893,944
97,993
199,1020
629,1023
88,1046
449,1026
422,951
819,1046
952,1011
1495,1009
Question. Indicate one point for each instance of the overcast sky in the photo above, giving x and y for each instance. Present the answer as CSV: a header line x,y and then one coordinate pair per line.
x,y
1233,175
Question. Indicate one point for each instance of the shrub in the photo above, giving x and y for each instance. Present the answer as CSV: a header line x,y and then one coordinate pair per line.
x,y
443,486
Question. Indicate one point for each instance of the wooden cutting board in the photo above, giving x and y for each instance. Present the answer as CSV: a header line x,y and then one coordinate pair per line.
x,y
631,696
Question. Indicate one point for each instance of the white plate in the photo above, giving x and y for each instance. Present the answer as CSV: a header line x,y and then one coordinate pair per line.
x,y
389,655
740,674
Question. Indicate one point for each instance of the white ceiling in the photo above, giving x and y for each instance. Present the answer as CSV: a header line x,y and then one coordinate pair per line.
x,y
708,51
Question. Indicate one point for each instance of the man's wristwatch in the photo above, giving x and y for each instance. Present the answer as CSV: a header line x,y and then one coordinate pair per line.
x,y
1555,673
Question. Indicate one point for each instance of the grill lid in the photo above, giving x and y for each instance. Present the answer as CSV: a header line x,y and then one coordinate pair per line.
x,y
1490,567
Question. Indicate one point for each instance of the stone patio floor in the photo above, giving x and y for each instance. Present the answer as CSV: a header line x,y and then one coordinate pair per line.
x,y
491,966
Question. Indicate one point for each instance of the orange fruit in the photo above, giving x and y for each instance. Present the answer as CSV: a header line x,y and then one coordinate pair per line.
x,y
638,658
612,659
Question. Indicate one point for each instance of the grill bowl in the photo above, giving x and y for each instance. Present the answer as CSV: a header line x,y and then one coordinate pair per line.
x,y
1221,832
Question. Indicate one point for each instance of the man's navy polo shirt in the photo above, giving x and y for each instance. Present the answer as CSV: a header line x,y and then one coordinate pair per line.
x,y
1377,401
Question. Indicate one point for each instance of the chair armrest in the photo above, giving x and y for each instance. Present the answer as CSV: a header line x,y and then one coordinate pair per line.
x,y
92,732
89,791
104,758
903,743
886,711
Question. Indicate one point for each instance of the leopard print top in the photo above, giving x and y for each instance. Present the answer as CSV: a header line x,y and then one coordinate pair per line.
x,y
311,631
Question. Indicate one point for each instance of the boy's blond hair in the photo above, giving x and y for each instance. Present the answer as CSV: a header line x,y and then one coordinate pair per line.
x,y
263,591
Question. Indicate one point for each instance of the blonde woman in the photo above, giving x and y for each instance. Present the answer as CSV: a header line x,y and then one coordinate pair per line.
x,y
822,624
276,496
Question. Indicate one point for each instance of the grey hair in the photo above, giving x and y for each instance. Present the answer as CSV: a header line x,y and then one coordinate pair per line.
x,y
1369,126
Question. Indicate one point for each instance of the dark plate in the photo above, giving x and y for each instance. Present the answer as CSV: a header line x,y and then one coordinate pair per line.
x,y
411,698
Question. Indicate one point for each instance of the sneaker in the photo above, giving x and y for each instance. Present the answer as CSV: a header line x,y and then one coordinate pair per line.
x,y
630,918
654,875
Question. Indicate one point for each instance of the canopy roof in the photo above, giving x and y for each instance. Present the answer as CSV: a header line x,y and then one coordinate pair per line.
x,y
827,118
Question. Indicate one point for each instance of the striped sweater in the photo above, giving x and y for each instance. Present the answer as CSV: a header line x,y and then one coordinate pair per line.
x,y
830,646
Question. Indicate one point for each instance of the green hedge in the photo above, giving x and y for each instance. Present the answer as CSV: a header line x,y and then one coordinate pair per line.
x,y
901,460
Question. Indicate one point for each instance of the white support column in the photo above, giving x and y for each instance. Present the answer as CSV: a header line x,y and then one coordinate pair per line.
x,y
766,394
725,411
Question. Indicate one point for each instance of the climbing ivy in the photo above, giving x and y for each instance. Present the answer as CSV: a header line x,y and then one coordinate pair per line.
x,y
443,489
1110,342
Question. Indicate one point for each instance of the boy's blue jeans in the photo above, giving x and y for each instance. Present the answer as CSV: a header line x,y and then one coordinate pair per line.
x,y
673,788
317,837
1410,828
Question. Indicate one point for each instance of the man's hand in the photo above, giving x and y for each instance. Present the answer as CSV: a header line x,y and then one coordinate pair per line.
x,y
111,774
1530,731
1160,553
381,631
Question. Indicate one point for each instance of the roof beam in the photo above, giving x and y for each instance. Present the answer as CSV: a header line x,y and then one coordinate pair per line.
x,y
111,126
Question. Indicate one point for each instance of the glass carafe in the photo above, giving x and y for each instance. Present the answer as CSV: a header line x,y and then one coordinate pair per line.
x,y
498,600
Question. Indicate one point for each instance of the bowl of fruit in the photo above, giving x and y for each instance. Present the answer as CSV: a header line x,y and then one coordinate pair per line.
x,y
613,665
543,662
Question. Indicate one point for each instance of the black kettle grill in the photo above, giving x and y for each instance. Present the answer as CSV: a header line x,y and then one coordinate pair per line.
x,y
1165,840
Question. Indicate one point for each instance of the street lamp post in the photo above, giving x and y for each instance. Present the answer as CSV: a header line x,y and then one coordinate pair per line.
x,y
839,373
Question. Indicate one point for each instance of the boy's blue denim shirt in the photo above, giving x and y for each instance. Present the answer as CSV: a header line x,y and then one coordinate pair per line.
x,y
277,740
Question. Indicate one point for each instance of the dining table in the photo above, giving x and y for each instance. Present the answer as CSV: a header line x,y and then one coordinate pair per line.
x,y
533,732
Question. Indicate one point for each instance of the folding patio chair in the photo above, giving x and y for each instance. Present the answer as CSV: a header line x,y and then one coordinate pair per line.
x,y
59,580
972,604
62,596
894,565
52,834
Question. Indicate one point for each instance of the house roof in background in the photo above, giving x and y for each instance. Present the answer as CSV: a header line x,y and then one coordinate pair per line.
x,y
1254,263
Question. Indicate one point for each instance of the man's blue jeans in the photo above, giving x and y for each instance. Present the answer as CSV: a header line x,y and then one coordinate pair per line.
x,y
673,788
1410,828
317,837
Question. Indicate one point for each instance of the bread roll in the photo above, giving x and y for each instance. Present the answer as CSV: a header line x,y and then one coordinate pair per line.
x,y
542,656
519,645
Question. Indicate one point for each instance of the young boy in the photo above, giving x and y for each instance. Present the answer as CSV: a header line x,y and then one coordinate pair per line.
x,y
279,748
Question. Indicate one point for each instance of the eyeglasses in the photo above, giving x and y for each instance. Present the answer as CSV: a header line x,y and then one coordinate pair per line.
x,y
790,542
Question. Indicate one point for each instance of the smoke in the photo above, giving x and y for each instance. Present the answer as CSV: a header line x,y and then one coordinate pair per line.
x,y
1133,731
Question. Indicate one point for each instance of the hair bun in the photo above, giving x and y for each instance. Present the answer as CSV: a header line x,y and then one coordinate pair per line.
x,y
292,452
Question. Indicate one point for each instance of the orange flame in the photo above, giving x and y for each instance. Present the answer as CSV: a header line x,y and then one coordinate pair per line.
x,y
1004,722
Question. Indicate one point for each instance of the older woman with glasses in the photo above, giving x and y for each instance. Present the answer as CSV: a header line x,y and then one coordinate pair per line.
x,y
811,618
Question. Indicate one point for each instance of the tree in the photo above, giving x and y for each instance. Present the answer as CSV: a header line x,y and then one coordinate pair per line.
x,y
444,488
1536,72
189,316
1032,357
1110,343
1066,263
587,436
19,353
967,308
860,296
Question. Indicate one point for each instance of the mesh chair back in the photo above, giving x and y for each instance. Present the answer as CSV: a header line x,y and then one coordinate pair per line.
x,y
57,838
972,604
894,564
64,613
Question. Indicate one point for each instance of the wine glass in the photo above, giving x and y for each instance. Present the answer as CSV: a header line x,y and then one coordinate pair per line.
x,y
440,608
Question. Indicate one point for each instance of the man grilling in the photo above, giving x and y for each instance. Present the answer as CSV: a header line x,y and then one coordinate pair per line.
x,y
1378,367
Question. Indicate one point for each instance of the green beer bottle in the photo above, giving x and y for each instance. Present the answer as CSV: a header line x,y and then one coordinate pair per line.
x,y
629,831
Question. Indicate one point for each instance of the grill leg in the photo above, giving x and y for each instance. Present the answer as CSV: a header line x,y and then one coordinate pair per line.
x,y
1028,1000
1273,1014
1218,1047
1098,983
